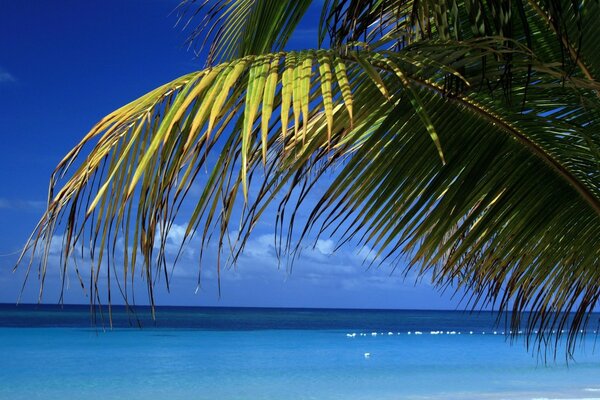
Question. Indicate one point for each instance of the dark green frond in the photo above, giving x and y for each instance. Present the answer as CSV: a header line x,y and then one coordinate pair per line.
x,y
557,31
499,197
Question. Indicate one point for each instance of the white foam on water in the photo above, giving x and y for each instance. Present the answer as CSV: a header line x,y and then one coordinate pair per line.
x,y
440,332
591,390
563,398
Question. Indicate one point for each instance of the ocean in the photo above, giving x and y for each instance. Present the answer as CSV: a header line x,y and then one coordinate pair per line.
x,y
49,352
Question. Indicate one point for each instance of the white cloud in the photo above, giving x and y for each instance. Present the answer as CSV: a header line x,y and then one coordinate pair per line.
x,y
318,267
325,246
31,205
263,246
6,77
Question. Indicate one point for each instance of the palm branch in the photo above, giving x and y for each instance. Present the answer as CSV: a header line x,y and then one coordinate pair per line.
x,y
462,136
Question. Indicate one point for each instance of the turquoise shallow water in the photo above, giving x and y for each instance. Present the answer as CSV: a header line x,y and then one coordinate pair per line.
x,y
275,354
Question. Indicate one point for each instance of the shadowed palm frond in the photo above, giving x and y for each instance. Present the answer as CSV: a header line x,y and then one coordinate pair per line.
x,y
434,163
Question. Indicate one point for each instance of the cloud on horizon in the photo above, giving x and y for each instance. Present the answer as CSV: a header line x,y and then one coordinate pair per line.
x,y
319,277
318,264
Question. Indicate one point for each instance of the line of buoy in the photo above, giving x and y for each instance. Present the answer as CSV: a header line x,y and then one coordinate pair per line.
x,y
390,333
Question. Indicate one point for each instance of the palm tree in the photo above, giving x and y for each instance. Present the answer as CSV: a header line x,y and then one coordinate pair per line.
x,y
463,136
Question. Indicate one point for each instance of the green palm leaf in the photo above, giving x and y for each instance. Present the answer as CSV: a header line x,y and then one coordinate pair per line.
x,y
461,150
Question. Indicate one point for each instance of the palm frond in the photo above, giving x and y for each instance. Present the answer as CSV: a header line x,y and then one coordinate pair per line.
x,y
485,195
558,31
236,28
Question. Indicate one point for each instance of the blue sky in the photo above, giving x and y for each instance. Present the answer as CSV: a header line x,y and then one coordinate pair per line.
x,y
63,66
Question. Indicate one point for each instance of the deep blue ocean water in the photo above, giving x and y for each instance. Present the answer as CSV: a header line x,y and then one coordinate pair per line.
x,y
232,353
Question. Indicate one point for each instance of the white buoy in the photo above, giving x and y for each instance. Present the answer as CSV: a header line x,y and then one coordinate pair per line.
x,y
367,355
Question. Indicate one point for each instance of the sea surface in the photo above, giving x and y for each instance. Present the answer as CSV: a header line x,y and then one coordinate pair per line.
x,y
52,352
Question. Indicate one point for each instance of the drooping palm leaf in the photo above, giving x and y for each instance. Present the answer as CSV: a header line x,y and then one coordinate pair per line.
x,y
497,194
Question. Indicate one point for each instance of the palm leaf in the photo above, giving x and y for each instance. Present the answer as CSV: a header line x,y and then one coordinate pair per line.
x,y
237,28
513,214
559,31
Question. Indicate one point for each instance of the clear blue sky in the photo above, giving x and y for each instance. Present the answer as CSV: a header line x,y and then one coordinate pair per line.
x,y
66,64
